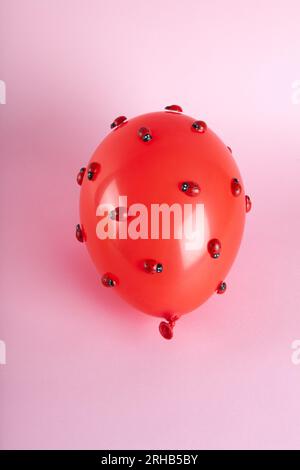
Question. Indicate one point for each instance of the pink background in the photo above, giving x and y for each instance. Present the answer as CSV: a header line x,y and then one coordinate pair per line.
x,y
83,369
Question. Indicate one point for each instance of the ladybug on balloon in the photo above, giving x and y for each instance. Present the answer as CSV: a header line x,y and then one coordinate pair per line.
x,y
162,213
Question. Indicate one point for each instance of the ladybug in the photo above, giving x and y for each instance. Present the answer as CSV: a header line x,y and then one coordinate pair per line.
x,y
152,266
109,280
199,126
190,188
214,248
236,187
118,121
221,288
144,134
80,175
79,233
93,170
174,107
248,203
119,214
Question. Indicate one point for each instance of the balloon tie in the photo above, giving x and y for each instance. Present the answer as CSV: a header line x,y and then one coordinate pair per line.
x,y
166,327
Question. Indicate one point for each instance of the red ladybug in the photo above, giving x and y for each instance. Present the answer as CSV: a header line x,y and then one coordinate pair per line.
x,y
109,280
118,121
221,288
80,176
174,107
152,266
119,214
79,233
199,126
93,170
248,203
214,248
236,187
190,188
144,134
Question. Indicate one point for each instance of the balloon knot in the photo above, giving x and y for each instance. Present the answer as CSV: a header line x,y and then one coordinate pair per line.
x,y
166,327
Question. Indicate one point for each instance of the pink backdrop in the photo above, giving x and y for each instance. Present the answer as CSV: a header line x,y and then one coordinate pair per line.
x,y
84,370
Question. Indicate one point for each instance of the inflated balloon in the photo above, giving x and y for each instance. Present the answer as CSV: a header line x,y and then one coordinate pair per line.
x,y
162,212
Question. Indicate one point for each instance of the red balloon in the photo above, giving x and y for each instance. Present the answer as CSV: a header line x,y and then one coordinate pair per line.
x,y
163,162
